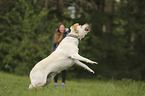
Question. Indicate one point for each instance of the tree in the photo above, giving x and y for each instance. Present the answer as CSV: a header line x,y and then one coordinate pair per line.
x,y
116,39
26,35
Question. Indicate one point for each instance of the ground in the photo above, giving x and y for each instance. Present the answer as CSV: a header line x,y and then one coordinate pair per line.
x,y
13,85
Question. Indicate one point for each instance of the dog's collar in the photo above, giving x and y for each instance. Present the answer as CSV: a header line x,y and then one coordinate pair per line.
x,y
74,36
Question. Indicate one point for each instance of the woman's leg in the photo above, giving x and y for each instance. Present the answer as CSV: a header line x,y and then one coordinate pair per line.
x,y
55,80
63,76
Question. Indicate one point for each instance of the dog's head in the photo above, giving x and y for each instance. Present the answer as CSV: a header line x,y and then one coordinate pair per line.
x,y
80,30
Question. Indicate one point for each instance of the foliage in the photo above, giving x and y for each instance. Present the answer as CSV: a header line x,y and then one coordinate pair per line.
x,y
116,40
25,37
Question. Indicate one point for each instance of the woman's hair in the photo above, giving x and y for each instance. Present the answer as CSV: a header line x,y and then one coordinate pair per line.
x,y
58,35
57,30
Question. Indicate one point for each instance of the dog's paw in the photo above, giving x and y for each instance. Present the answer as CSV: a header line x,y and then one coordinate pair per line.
x,y
93,72
94,62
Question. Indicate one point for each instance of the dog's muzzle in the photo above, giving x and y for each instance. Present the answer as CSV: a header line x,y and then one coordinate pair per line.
x,y
86,28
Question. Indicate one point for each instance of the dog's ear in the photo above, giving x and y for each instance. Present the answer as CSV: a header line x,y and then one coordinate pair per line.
x,y
75,27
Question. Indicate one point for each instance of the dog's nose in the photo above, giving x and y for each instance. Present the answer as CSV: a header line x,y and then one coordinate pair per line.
x,y
87,29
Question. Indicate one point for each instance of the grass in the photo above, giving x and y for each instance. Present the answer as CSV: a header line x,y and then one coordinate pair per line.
x,y
13,85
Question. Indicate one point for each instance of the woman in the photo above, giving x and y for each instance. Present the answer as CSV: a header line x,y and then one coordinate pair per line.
x,y
58,36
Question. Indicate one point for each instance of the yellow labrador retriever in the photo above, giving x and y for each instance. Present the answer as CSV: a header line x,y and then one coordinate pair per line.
x,y
62,58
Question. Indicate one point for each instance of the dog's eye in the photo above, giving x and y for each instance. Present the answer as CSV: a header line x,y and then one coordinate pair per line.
x,y
87,29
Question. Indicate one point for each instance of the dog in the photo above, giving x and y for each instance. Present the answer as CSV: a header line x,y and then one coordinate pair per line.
x,y
62,58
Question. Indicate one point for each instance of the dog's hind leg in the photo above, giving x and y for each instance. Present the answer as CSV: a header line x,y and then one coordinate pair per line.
x,y
78,57
50,77
38,80
83,65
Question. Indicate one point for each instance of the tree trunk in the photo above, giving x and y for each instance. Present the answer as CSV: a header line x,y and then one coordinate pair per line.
x,y
34,1
46,4
108,25
109,9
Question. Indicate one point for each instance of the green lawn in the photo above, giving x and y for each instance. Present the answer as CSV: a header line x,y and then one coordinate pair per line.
x,y
12,85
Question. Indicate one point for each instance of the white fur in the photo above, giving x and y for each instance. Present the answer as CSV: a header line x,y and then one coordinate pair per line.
x,y
62,58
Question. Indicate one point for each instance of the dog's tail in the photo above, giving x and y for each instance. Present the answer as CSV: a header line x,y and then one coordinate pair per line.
x,y
30,86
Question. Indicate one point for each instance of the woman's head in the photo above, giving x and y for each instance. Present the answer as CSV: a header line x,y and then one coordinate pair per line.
x,y
61,28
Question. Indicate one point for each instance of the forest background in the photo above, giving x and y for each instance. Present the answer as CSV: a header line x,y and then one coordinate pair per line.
x,y
116,40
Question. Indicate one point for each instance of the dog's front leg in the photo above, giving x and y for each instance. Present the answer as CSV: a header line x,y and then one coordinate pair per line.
x,y
83,65
78,57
